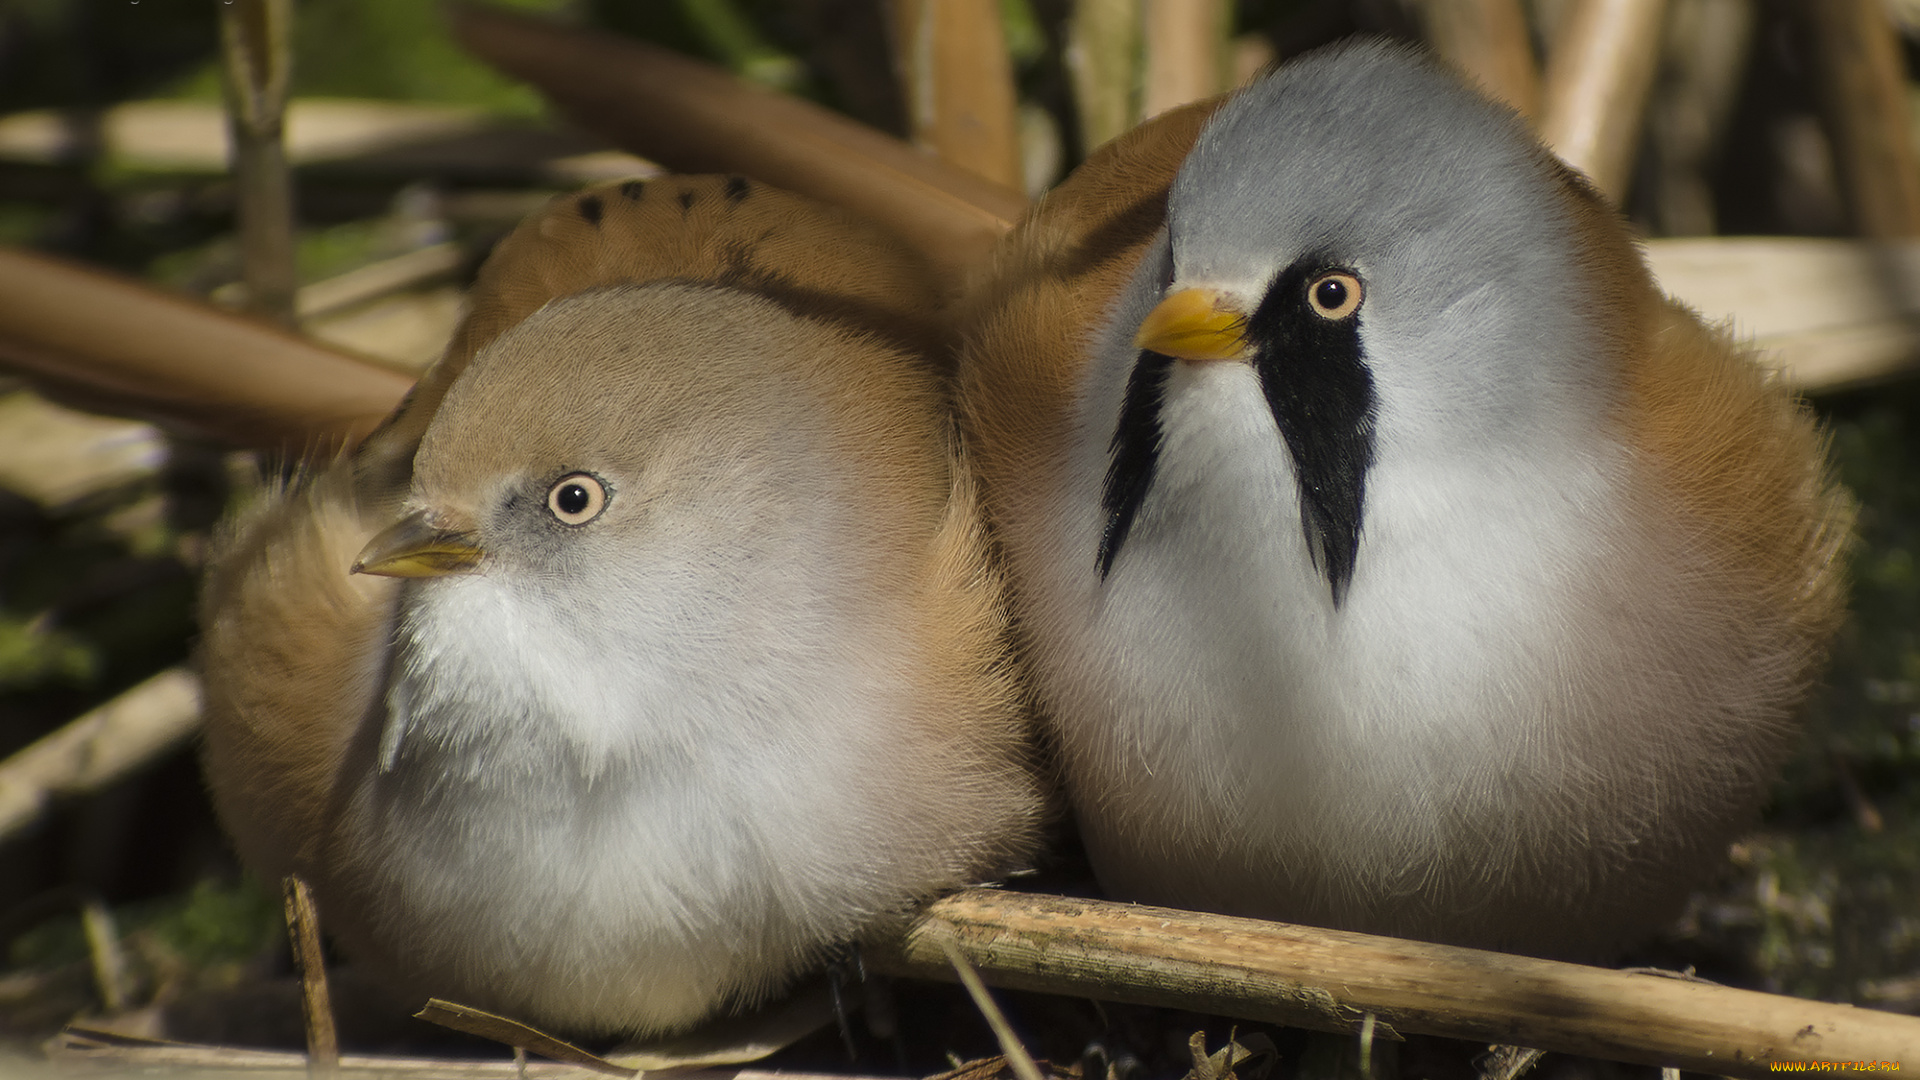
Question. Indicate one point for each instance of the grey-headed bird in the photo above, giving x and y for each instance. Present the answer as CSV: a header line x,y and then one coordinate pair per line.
x,y
1390,554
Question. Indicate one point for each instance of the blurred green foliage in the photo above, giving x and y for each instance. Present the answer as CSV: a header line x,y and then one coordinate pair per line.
x,y
756,39
1831,893
90,53
382,49
31,654
213,924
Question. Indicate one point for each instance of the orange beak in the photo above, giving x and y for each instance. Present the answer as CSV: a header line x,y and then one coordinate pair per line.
x,y
1194,324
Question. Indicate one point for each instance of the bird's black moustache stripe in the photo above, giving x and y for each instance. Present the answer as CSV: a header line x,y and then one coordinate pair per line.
x,y
1136,450
1320,391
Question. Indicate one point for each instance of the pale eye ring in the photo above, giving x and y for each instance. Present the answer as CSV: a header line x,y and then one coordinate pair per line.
x,y
1335,295
577,498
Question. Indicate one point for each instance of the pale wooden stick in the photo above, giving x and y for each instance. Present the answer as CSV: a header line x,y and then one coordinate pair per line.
x,y
1599,72
1331,980
1011,1048
108,1050
1708,43
521,1037
1828,313
1866,106
695,118
303,930
958,77
1251,55
1487,41
124,346
99,747
1103,49
103,948
257,57
422,266
1186,53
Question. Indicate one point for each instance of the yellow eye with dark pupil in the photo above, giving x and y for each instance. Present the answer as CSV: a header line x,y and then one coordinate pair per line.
x,y
1334,295
576,499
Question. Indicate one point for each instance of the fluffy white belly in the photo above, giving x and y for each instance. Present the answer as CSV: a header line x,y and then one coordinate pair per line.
x,y
1466,749
622,839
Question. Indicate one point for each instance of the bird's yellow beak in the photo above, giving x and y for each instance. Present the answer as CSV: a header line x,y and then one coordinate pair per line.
x,y
1194,324
414,547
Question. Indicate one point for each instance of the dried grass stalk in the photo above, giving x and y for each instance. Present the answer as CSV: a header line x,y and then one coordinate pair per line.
x,y
110,1051
303,932
500,1029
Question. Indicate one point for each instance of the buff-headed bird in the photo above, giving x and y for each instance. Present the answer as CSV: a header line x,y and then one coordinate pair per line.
x,y
652,651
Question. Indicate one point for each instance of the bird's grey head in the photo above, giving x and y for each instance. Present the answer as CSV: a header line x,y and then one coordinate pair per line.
x,y
1392,253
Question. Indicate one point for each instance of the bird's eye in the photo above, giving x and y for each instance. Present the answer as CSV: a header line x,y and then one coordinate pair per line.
x,y
1334,295
577,498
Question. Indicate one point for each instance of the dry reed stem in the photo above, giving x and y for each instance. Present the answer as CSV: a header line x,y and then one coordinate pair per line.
x,y
421,266
123,346
1187,55
1011,1048
111,1051
1487,41
958,77
522,1037
697,118
1599,72
99,747
1708,44
303,931
109,961
1103,65
1829,314
257,58
1864,91
1331,980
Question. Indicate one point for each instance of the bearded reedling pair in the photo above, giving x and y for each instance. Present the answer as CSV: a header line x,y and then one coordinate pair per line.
x,y
1385,552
